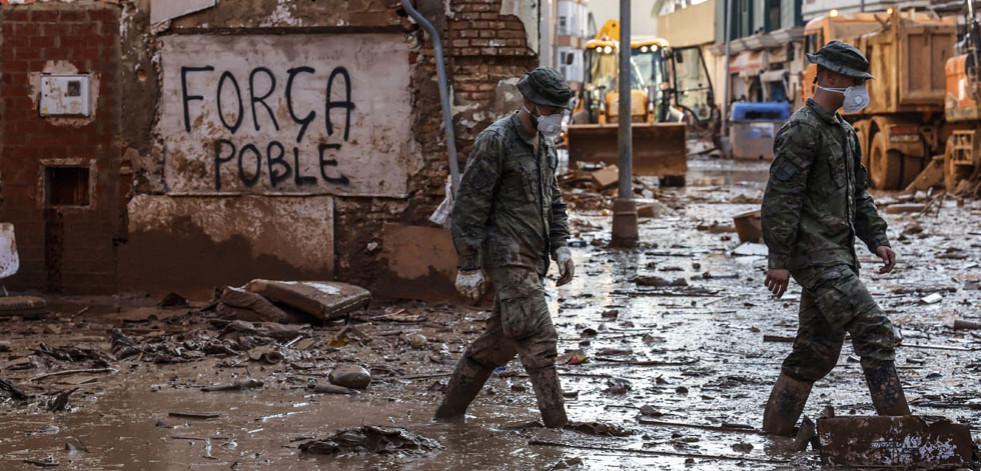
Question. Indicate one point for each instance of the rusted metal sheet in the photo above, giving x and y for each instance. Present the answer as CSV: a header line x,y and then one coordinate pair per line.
x,y
312,114
893,441
658,150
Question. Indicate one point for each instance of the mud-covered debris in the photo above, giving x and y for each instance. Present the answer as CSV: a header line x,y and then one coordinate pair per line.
x,y
905,208
194,415
350,376
237,303
617,386
249,383
806,433
7,389
373,439
598,428
749,227
742,447
60,401
346,335
610,314
25,307
648,410
4,345
74,445
966,325
324,300
605,177
173,301
418,341
751,249
266,354
658,282
899,441
332,389
87,357
568,463
572,357
47,463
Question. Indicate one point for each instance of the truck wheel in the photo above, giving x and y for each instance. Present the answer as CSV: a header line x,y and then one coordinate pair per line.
x,y
912,166
885,166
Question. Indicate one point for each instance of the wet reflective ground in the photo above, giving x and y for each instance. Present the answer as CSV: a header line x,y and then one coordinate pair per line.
x,y
691,365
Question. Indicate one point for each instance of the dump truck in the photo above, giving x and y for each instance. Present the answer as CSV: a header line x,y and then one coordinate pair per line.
x,y
669,87
962,108
904,125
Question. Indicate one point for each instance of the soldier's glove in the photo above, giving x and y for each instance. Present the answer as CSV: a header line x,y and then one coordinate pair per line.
x,y
563,258
471,284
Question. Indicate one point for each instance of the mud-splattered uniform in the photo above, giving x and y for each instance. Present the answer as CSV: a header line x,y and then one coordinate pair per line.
x,y
815,205
508,216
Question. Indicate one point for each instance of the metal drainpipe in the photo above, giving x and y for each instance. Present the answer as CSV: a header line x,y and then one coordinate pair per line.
x,y
443,92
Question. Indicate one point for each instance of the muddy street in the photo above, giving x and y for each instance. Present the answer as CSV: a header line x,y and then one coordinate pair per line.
x,y
668,352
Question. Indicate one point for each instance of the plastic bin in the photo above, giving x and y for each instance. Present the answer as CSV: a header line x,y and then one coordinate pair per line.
x,y
752,128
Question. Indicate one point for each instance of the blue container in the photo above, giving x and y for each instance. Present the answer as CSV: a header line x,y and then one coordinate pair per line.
x,y
752,127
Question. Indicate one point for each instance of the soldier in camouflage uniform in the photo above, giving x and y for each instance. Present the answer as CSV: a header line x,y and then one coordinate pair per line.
x,y
508,217
814,206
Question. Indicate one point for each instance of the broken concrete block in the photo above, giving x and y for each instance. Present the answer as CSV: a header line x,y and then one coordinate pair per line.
x,y
324,300
749,226
350,376
606,177
264,309
932,299
897,441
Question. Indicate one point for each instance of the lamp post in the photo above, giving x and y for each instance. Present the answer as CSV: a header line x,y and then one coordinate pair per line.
x,y
624,206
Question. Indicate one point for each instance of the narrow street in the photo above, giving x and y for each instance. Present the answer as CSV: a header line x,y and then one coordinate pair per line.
x,y
672,349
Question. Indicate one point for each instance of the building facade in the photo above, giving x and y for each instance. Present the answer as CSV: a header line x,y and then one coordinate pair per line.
x,y
226,141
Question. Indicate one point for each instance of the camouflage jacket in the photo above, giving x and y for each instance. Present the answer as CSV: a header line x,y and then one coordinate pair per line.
x,y
508,209
816,200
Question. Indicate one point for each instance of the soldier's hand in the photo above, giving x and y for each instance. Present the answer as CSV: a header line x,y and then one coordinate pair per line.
x,y
888,258
471,284
777,281
563,258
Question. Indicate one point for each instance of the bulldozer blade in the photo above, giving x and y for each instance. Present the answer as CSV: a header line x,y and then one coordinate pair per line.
x,y
658,149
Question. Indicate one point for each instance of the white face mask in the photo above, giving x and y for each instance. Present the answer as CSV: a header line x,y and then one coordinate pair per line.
x,y
856,97
550,126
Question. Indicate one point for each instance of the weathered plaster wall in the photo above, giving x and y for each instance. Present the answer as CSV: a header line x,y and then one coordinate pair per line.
x,y
186,226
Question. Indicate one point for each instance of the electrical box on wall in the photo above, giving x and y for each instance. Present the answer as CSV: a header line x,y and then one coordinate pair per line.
x,y
65,95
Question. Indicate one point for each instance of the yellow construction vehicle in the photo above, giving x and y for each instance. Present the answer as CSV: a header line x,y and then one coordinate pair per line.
x,y
668,87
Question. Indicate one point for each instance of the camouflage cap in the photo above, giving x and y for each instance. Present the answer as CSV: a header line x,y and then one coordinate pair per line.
x,y
842,58
546,86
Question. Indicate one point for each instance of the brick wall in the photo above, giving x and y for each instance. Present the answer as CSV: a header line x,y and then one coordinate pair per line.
x,y
62,249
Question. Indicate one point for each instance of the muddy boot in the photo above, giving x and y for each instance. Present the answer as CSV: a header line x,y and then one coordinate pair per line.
x,y
549,395
887,392
785,405
467,380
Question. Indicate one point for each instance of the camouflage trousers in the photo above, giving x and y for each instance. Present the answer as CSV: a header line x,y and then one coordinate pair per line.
x,y
835,301
520,323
